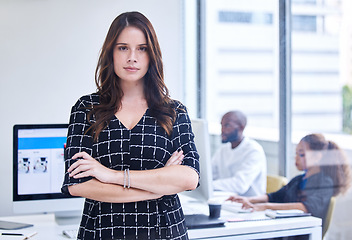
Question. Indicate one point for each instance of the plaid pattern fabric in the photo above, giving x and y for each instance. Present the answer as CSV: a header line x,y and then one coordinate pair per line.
x,y
146,146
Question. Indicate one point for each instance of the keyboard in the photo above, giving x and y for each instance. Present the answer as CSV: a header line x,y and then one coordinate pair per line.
x,y
234,207
70,233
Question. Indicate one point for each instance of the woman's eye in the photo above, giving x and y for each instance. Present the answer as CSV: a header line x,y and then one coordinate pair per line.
x,y
300,154
122,48
143,49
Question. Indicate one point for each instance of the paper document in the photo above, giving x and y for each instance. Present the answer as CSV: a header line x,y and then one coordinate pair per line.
x,y
285,213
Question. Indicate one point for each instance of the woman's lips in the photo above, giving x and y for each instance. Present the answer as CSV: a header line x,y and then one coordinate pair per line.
x,y
131,69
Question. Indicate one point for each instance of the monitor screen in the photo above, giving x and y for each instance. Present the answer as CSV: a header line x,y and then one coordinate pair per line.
x,y
38,169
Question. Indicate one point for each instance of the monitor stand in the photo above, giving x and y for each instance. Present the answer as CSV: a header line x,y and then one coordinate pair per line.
x,y
68,217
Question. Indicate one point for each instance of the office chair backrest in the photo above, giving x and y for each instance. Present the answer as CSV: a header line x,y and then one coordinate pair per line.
x,y
329,215
275,182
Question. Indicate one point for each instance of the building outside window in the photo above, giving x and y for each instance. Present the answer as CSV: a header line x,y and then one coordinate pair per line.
x,y
241,68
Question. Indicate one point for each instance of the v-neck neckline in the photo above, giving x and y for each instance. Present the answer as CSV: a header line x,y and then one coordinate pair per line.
x,y
130,129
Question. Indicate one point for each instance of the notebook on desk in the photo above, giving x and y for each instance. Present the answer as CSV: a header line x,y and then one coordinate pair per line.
x,y
6,225
194,221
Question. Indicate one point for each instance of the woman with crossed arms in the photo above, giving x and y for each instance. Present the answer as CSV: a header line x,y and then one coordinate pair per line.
x,y
130,148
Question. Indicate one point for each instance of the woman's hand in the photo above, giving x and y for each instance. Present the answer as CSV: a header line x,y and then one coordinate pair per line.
x,y
175,159
246,204
87,166
259,206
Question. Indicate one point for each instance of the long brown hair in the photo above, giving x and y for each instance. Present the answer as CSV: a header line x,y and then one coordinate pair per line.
x,y
108,83
334,162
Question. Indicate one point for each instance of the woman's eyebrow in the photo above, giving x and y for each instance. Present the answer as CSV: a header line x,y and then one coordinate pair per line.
x,y
142,44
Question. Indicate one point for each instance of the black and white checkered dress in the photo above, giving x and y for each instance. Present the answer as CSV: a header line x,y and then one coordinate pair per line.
x,y
146,146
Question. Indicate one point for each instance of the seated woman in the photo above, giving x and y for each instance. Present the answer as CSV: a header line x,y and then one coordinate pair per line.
x,y
326,174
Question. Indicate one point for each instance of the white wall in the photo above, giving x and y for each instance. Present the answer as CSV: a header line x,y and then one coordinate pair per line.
x,y
48,55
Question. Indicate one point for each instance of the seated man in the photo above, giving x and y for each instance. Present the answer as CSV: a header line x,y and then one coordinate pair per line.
x,y
239,166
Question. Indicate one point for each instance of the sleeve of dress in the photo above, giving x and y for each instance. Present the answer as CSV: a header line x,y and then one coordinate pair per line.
x,y
77,141
183,138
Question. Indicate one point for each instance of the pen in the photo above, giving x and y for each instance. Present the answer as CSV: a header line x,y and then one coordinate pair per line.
x,y
11,234
18,234
30,235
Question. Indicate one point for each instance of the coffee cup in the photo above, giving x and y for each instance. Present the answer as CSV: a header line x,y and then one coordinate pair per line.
x,y
214,209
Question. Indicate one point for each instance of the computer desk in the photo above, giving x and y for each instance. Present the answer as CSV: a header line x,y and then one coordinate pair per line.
x,y
251,225
263,229
46,228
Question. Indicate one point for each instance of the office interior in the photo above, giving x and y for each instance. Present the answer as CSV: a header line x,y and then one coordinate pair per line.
x,y
49,50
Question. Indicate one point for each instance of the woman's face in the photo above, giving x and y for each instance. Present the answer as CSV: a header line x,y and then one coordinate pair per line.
x,y
130,56
300,157
307,158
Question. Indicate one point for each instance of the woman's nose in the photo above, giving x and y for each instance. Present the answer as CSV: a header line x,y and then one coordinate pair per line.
x,y
132,57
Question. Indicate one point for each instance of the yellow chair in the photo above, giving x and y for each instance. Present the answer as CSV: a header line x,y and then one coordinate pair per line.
x,y
329,215
275,182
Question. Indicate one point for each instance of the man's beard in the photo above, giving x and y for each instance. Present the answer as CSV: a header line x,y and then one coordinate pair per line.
x,y
232,137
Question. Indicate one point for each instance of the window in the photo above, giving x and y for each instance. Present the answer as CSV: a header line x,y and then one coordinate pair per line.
x,y
241,66
241,69
245,17
304,1
304,23
321,76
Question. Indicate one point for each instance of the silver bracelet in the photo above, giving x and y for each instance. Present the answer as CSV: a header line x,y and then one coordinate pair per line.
x,y
128,178
124,178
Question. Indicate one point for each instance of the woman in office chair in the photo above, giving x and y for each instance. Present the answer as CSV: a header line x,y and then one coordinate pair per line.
x,y
326,174
130,147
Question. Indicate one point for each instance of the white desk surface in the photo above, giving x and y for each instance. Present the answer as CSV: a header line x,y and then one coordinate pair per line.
x,y
263,229
46,228
254,229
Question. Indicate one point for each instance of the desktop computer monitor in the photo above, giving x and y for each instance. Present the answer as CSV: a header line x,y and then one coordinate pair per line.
x,y
38,172
201,139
